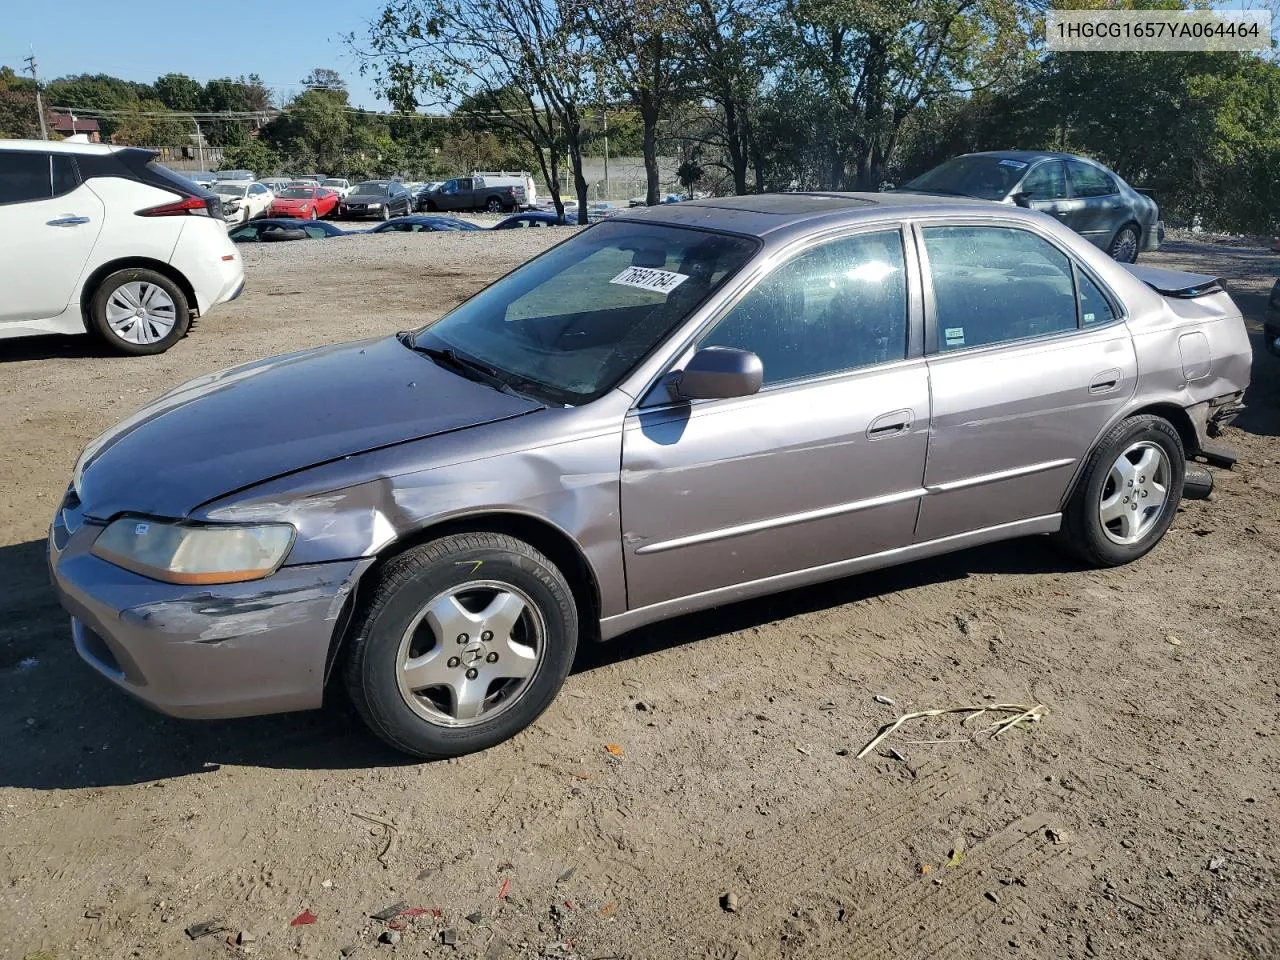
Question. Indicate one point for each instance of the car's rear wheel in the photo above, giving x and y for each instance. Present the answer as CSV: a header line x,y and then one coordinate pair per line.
x,y
494,205
1128,494
138,311
1124,245
463,642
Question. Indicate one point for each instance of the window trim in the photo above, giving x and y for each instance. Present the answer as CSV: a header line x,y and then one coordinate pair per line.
x,y
1119,314
652,397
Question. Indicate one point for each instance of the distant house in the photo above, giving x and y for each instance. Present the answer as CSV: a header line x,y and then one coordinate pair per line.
x,y
67,124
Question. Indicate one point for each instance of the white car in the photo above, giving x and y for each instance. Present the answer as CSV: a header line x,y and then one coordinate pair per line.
x,y
338,185
105,240
243,201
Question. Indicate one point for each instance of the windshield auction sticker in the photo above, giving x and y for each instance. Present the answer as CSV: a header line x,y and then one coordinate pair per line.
x,y
1144,31
647,278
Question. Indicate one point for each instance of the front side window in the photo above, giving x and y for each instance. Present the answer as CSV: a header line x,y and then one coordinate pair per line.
x,y
570,324
996,284
24,176
1048,181
1090,181
838,307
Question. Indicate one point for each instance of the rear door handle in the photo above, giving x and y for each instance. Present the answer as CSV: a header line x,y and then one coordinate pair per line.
x,y
890,424
67,221
1105,382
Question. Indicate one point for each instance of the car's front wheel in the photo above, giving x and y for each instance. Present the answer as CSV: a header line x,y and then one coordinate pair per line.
x,y
463,642
385,214
1128,494
139,312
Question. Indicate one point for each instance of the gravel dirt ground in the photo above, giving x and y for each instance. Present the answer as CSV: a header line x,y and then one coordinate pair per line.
x,y
1138,819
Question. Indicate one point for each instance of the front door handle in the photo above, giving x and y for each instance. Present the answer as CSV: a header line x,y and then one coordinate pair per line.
x,y
67,221
1105,382
890,424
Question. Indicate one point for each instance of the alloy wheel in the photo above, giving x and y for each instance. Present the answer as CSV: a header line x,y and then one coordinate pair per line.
x,y
1125,247
470,653
140,312
1134,493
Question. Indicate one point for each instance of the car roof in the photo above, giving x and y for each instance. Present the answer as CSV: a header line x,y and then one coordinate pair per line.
x,y
59,146
766,214
1029,155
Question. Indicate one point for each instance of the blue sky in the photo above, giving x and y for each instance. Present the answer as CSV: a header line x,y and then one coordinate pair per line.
x,y
139,40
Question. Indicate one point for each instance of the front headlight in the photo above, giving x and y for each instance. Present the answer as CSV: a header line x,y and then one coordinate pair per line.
x,y
194,554
375,206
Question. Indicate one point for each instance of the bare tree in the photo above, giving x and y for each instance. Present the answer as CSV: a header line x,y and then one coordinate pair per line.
x,y
523,66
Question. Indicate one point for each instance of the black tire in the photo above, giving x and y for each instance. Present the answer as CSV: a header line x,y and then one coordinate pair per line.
x,y
493,205
314,214
1082,527
385,214
1124,245
431,207
99,327
411,580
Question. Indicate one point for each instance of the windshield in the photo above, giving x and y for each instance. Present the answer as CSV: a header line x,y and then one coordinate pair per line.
x,y
572,323
334,183
231,189
984,178
297,193
369,186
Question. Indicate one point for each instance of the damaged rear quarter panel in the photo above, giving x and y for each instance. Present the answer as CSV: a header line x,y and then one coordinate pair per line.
x,y
558,465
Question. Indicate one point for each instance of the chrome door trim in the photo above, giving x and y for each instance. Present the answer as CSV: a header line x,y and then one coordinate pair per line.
x,y
611,627
999,475
787,520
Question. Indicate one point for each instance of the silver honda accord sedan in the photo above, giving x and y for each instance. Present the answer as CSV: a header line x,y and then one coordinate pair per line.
x,y
677,408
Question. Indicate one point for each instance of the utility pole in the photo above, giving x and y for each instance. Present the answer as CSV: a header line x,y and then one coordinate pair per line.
x,y
604,119
31,65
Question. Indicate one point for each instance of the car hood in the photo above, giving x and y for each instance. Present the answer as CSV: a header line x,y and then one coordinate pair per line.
x,y
367,198
239,427
290,202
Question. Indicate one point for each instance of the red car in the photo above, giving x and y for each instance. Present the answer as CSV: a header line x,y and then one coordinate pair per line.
x,y
305,203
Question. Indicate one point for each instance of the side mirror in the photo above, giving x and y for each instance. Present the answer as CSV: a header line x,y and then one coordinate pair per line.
x,y
1022,198
717,373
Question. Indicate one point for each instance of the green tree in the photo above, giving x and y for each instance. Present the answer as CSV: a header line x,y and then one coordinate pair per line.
x,y
177,91
252,155
96,92
18,117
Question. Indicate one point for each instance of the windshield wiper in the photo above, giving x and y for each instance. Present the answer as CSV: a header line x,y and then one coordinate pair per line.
x,y
469,367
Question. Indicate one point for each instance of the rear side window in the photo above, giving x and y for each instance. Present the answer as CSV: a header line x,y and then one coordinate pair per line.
x,y
1090,181
65,176
1094,307
996,284
315,233
24,176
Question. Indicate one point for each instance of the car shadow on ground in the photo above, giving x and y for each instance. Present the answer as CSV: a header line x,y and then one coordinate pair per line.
x,y
67,728
55,346
1261,414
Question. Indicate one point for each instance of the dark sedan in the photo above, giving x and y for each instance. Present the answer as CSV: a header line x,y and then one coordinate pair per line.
x,y
383,199
422,224
536,218
1081,193
271,230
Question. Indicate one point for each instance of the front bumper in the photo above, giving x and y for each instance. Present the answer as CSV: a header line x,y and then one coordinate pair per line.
x,y
230,650
359,212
